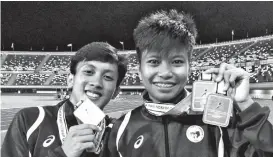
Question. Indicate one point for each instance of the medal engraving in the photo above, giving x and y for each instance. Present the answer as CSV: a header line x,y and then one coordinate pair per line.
x,y
201,89
218,110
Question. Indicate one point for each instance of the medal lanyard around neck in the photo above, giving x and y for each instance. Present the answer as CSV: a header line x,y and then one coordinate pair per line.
x,y
61,122
170,109
158,109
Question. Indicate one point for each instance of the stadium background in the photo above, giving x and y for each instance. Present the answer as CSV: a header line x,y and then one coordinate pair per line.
x,y
38,77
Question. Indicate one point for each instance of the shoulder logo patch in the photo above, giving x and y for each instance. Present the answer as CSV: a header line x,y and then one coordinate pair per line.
x,y
195,133
50,139
139,141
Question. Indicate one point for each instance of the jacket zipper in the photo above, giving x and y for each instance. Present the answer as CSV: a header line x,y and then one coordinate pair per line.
x,y
167,150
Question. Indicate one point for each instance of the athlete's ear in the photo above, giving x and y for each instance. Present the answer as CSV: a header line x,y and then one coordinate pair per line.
x,y
116,93
70,80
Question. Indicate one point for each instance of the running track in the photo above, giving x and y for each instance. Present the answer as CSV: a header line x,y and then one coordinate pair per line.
x,y
119,104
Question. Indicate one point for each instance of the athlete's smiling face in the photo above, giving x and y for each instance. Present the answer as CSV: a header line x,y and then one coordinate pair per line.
x,y
165,73
94,80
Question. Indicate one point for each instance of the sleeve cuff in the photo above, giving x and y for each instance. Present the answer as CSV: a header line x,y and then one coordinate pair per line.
x,y
251,111
253,115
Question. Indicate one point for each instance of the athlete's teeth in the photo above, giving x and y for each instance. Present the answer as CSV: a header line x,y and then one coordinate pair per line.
x,y
163,85
92,94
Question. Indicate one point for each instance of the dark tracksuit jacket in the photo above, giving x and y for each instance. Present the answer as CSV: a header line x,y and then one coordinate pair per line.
x,y
34,132
141,134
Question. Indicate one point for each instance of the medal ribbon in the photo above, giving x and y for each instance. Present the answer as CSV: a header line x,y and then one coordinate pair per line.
x,y
98,137
182,107
61,122
158,109
221,144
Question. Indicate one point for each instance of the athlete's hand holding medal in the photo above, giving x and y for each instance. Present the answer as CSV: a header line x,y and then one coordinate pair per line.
x,y
88,134
215,92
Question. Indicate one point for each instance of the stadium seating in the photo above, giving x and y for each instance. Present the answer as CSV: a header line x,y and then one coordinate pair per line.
x,y
198,51
5,78
258,50
132,58
131,79
31,79
57,61
132,62
59,80
193,76
262,73
219,54
22,62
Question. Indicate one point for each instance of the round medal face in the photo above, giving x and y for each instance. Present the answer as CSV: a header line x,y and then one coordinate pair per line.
x,y
195,133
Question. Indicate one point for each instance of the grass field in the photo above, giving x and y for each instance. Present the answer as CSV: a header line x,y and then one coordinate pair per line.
x,y
11,104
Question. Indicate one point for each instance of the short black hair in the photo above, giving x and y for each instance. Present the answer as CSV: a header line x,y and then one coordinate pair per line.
x,y
162,28
100,51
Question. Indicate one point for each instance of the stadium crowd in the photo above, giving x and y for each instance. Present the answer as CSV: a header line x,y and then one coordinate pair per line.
x,y
218,54
202,57
5,78
30,79
59,80
59,62
260,51
262,73
22,62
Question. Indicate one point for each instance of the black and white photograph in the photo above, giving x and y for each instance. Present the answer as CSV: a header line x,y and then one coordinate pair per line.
x,y
136,78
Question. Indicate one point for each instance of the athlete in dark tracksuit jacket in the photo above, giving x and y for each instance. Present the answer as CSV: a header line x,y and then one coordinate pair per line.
x,y
141,134
36,132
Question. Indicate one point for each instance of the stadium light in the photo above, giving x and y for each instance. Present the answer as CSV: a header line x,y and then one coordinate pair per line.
x,y
122,43
232,34
12,46
70,45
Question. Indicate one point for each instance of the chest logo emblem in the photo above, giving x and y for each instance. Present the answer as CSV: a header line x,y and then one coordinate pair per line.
x,y
139,141
50,139
195,133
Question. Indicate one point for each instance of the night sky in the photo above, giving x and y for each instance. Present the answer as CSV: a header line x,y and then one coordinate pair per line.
x,y
51,24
